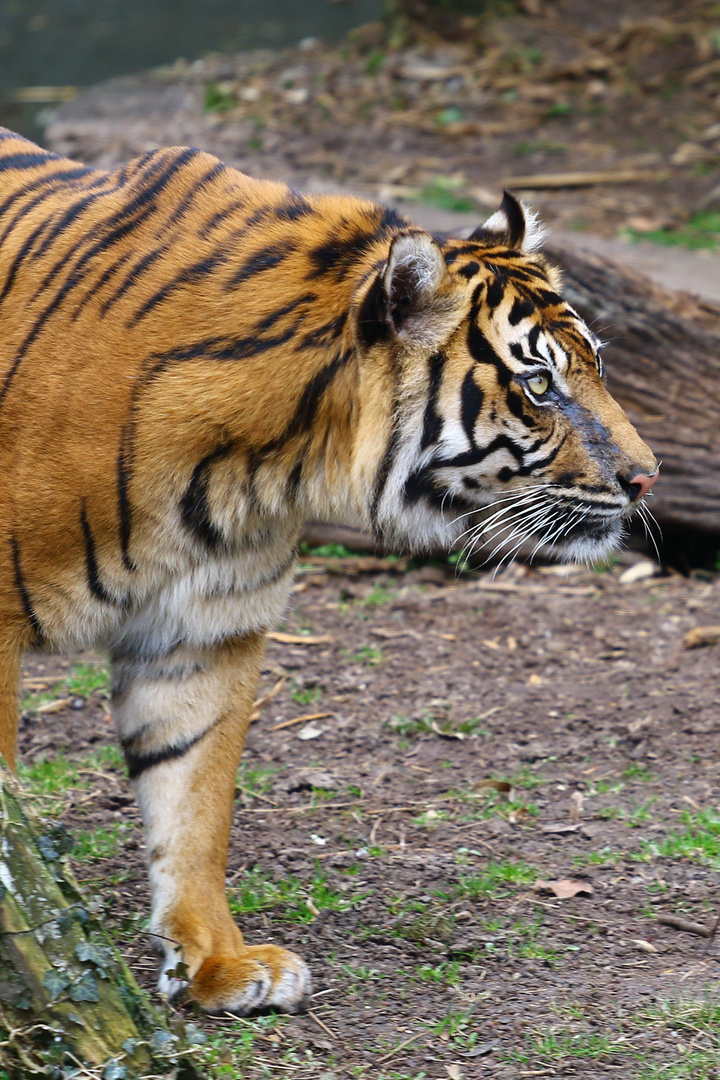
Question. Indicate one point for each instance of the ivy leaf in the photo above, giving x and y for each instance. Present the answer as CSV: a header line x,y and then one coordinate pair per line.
x,y
114,1071
162,1040
98,955
86,988
55,982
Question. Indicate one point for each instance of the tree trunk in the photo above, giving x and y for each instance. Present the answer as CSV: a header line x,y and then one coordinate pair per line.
x,y
67,996
663,363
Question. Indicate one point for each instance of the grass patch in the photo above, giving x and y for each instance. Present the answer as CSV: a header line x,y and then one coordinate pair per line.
x,y
494,879
700,231
94,845
445,192
561,1044
699,841
48,776
259,891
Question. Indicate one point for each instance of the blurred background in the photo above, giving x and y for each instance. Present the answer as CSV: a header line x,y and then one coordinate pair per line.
x,y
74,43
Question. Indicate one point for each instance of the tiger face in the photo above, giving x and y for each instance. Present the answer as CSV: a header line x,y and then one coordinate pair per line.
x,y
503,430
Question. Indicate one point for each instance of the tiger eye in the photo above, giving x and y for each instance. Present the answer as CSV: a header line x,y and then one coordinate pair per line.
x,y
539,384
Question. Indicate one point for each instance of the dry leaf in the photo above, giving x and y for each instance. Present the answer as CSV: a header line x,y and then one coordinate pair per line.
x,y
298,639
311,731
497,785
564,888
644,946
701,635
639,572
54,706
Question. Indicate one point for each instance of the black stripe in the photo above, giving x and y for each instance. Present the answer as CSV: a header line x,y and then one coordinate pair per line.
x,y
527,470
104,279
432,421
373,320
340,256
20,162
521,309
495,292
134,273
309,402
24,594
188,200
471,402
383,473
93,575
120,225
74,211
470,269
124,471
194,505
266,259
189,276
220,216
48,185
324,335
269,320
139,763
293,207
483,353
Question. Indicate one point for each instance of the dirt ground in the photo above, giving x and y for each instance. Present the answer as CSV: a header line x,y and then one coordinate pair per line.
x,y
463,741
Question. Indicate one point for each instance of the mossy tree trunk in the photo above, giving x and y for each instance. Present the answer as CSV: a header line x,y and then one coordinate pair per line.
x,y
67,997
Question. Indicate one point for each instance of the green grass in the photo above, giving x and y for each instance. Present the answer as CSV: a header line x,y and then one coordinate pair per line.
x,y
494,879
219,98
49,776
84,679
94,845
368,656
306,695
259,891
444,191
699,841
700,231
561,1044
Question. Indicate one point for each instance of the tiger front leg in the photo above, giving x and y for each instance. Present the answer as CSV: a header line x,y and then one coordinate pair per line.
x,y
182,720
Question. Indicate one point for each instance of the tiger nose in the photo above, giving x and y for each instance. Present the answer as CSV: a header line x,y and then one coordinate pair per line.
x,y
639,484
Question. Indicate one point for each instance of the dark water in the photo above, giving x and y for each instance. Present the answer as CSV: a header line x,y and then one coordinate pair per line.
x,y
80,42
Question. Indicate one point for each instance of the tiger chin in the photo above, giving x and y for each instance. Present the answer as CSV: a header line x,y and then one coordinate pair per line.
x,y
195,362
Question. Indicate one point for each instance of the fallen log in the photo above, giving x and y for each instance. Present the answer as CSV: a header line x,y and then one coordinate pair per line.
x,y
67,998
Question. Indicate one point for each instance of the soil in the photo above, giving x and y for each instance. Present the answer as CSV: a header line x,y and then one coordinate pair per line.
x,y
475,737
624,88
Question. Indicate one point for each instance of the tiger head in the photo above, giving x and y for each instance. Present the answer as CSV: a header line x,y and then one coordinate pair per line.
x,y
501,426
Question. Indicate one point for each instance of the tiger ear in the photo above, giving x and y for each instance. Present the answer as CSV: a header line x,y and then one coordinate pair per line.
x,y
421,300
512,225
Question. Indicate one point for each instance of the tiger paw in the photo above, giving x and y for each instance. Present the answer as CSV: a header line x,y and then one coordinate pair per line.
x,y
260,977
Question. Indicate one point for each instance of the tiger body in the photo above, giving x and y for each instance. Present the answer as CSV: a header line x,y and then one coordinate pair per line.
x,y
194,362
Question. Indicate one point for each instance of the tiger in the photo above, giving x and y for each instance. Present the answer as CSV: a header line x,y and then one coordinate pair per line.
x,y
194,363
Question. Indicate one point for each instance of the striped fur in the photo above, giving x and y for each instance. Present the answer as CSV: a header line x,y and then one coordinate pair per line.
x,y
193,363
